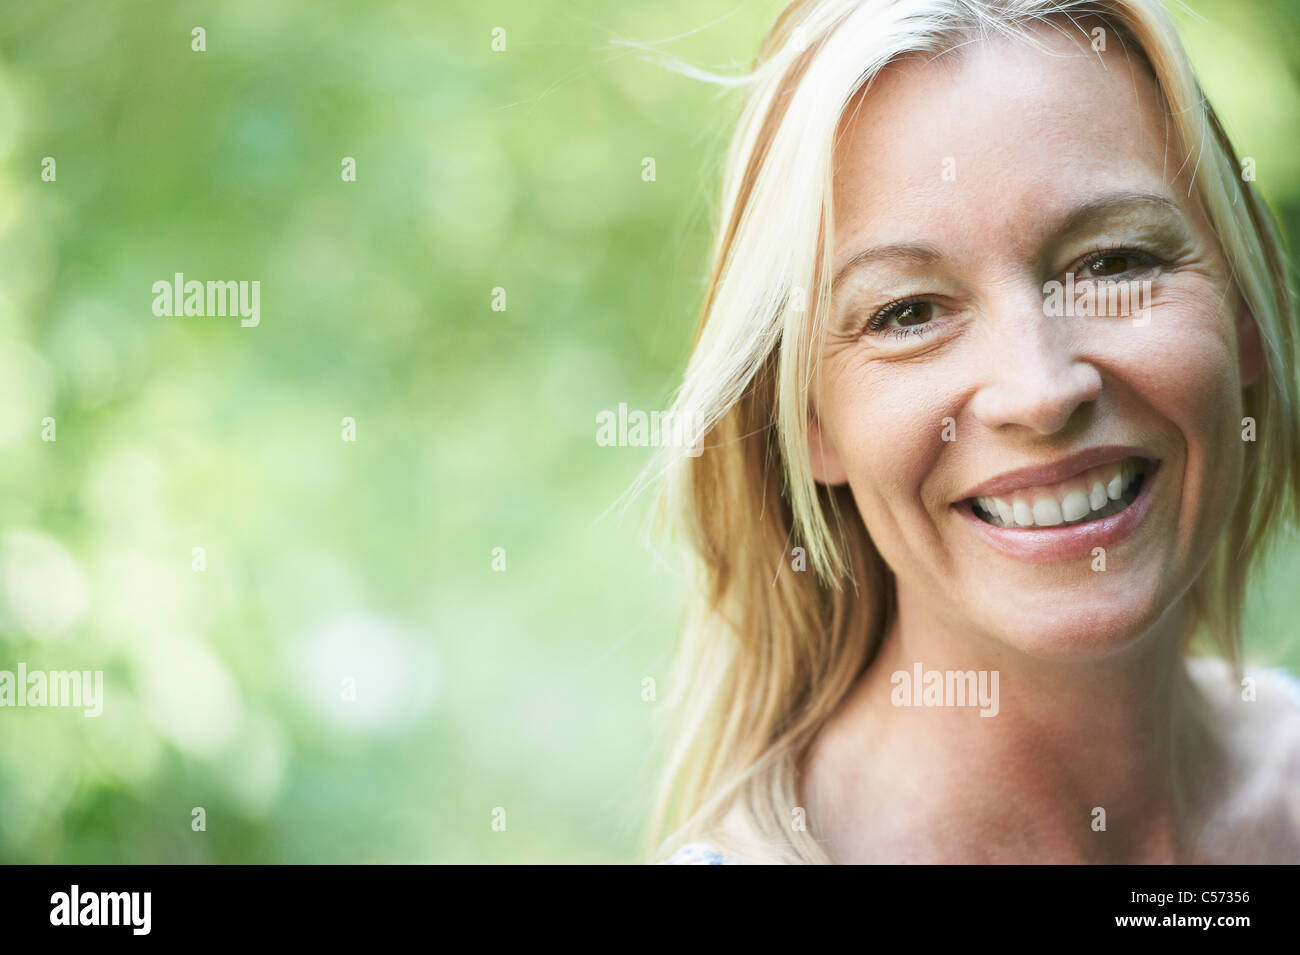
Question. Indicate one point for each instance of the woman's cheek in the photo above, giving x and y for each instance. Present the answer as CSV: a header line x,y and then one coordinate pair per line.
x,y
890,430
1187,365
1185,368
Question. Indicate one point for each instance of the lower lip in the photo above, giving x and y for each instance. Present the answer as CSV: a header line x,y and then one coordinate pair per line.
x,y
1071,542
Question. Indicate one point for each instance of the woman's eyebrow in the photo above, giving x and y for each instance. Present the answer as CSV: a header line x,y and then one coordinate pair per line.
x,y
920,253
1074,219
1114,204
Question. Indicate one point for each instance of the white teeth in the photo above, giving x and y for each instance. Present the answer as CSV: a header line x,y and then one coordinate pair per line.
x,y
1005,513
1098,497
1047,512
1021,512
1103,498
1074,505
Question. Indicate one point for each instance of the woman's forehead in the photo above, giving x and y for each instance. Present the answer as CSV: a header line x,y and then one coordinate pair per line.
x,y
1005,128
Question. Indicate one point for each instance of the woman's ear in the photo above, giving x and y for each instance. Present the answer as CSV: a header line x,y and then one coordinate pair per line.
x,y
826,465
1250,350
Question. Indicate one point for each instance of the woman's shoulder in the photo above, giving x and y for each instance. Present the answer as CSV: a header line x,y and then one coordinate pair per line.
x,y
1257,719
1259,706
697,853
1274,687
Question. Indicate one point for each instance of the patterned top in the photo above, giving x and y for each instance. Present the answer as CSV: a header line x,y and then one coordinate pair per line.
x,y
697,853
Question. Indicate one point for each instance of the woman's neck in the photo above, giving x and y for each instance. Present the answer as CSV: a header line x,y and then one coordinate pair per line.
x,y
1074,761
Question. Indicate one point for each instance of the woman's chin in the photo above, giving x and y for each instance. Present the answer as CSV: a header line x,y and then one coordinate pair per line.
x,y
1062,629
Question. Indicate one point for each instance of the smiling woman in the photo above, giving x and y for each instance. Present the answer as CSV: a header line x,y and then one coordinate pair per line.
x,y
1037,422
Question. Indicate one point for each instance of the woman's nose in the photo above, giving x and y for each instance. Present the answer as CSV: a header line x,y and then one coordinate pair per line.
x,y
1034,376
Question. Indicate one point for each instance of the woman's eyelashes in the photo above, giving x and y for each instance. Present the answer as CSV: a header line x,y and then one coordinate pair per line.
x,y
918,315
1116,263
914,316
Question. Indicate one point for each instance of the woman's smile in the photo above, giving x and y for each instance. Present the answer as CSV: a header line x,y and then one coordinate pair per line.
x,y
1028,515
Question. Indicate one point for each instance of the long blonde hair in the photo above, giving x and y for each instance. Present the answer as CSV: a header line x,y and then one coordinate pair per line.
x,y
767,655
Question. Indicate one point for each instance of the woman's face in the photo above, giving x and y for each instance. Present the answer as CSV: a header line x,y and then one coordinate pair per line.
x,y
1041,471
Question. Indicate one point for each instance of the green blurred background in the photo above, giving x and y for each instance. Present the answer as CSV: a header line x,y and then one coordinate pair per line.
x,y
373,560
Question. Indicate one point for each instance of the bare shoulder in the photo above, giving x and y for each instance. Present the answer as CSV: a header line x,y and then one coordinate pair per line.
x,y
1263,705
1257,719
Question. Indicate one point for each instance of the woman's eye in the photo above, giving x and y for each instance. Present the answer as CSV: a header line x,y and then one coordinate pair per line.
x,y
917,313
1115,263
904,318
1109,265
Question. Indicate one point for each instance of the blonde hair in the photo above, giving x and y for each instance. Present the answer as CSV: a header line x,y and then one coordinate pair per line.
x,y
766,656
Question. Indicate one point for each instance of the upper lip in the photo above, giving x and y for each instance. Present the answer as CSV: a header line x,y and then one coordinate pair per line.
x,y
1059,470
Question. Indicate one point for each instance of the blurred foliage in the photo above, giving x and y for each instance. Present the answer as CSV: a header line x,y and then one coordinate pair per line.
x,y
372,560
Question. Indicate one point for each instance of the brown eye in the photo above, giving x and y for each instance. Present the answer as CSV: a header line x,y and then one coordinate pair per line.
x,y
918,313
1112,263
904,317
